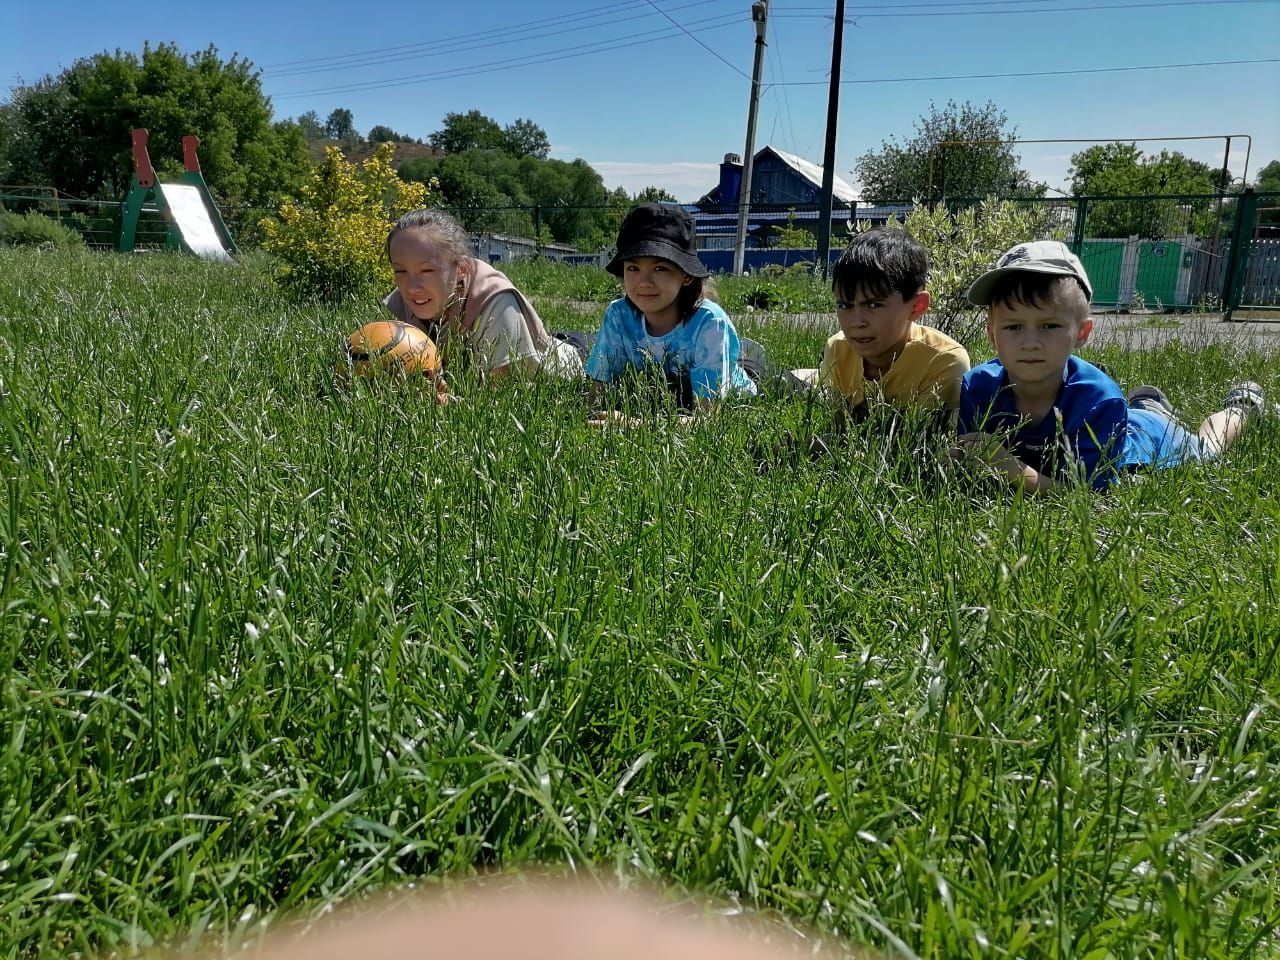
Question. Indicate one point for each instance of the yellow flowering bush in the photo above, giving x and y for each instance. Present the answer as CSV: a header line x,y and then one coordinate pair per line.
x,y
329,244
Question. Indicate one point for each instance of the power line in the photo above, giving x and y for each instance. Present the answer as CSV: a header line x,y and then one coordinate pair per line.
x,y
1021,4
1040,73
437,44
1112,8
504,40
699,42
603,46
775,67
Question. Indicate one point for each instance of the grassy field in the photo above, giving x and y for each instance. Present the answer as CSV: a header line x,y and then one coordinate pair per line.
x,y
266,647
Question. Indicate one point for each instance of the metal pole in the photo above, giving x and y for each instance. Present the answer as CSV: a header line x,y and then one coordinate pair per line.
x,y
829,154
759,13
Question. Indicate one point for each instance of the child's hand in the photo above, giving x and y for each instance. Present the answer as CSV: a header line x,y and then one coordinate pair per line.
x,y
443,396
988,451
977,446
985,449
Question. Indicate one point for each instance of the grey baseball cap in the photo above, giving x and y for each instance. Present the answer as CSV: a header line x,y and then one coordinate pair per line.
x,y
1038,256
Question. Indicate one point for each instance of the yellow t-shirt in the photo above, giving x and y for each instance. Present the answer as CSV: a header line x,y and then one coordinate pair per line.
x,y
927,372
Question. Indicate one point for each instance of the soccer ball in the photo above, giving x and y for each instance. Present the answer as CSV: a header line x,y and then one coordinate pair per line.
x,y
389,345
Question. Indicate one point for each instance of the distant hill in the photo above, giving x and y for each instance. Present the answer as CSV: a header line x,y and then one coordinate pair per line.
x,y
362,151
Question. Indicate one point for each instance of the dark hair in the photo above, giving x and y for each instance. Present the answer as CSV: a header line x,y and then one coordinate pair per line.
x,y
691,295
1040,290
880,262
446,230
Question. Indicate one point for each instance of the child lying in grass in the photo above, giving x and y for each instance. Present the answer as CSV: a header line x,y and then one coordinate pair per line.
x,y
664,324
1038,415
473,312
881,350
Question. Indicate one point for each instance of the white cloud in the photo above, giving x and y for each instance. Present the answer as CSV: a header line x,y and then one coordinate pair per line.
x,y
686,181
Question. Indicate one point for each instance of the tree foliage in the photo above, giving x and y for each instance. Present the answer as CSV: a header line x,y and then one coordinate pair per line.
x,y
1123,170
341,125
384,134
1268,178
468,131
1268,181
524,138
329,245
475,131
311,126
652,194
495,181
72,131
959,150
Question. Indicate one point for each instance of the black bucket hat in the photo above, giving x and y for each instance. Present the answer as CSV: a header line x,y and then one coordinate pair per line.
x,y
658,230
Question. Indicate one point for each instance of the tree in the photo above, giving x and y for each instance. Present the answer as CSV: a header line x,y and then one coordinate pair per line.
x,y
492,190
382,134
1122,170
310,125
8,129
524,138
654,195
72,131
341,125
468,131
957,151
328,244
1267,181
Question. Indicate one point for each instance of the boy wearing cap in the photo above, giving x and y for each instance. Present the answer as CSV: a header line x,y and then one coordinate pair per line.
x,y
881,349
1060,417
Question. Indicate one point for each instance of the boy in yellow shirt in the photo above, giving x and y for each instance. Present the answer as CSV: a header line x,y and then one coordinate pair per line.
x,y
881,351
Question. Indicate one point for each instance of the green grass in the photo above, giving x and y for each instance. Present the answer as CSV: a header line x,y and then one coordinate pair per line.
x,y
266,647
794,290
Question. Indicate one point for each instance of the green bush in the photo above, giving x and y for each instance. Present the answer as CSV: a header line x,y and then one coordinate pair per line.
x,y
329,244
36,230
962,245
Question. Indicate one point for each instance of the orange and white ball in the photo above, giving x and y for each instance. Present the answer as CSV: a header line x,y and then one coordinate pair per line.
x,y
390,345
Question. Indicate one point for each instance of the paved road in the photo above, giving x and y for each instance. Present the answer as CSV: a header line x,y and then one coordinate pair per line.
x,y
1135,331
1142,332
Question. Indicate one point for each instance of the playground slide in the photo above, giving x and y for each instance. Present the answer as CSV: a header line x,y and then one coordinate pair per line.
x,y
192,218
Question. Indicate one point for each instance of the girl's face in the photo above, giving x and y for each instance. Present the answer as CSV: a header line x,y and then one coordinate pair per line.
x,y
653,284
427,275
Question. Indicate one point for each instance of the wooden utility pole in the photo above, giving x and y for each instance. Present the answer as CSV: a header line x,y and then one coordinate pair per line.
x,y
829,154
759,15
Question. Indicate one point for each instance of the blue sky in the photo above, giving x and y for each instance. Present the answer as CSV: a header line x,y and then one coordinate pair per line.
x,y
633,88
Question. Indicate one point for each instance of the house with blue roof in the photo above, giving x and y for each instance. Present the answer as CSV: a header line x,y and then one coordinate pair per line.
x,y
786,191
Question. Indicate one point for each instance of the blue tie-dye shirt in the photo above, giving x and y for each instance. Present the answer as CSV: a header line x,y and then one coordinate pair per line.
x,y
704,347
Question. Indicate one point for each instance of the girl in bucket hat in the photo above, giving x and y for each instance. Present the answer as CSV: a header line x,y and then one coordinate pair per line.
x,y
664,322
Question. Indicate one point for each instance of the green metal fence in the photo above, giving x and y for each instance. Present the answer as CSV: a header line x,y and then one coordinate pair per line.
x,y
1186,251
99,221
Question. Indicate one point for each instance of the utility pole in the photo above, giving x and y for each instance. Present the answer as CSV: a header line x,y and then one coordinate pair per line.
x,y
829,154
759,14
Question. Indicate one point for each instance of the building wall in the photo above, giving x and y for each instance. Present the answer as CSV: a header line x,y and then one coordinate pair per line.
x,y
772,181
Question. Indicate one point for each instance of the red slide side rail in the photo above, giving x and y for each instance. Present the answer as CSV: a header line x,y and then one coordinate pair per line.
x,y
142,168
